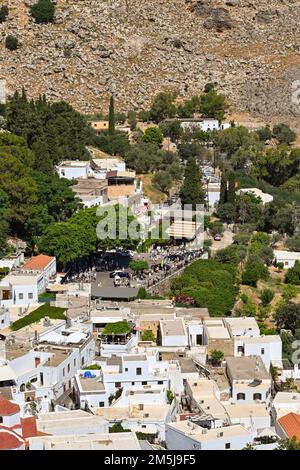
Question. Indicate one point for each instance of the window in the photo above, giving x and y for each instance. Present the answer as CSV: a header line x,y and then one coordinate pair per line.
x,y
144,426
69,367
64,372
262,351
22,388
240,396
138,371
257,396
101,404
74,362
240,349
70,383
42,379
82,361
21,296
118,384
144,383
33,380
160,382
227,445
126,369
1,419
64,387
132,383
30,295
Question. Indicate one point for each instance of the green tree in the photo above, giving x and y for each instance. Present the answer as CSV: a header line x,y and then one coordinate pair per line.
x,y
213,105
284,134
289,444
231,188
223,190
172,129
43,11
192,191
111,116
289,292
293,275
254,271
153,135
162,180
170,396
11,42
144,115
163,106
216,357
132,119
137,265
266,296
287,316
264,134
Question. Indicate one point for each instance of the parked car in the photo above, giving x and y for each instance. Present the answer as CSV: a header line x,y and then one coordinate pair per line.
x,y
218,237
120,274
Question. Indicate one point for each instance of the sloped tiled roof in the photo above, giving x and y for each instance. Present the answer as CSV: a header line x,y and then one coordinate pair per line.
x,y
38,262
9,441
7,408
291,425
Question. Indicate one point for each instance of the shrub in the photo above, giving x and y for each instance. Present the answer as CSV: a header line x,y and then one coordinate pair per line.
x,y
293,275
11,43
3,13
91,367
117,428
35,316
217,357
266,296
138,265
170,396
117,328
43,11
148,336
289,292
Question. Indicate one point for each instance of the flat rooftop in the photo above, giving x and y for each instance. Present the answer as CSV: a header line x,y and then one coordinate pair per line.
x,y
216,329
246,411
242,322
149,412
247,368
91,384
203,388
19,280
200,434
172,328
74,163
117,441
286,397
135,357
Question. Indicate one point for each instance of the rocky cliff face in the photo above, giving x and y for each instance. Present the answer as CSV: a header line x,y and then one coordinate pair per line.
x,y
250,49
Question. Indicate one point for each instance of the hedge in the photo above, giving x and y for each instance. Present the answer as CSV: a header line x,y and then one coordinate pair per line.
x,y
56,313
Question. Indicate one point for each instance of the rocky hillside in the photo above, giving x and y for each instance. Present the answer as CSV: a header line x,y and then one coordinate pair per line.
x,y
250,49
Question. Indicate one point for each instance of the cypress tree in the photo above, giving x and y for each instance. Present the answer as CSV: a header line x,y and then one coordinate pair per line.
x,y
231,188
192,191
223,190
111,118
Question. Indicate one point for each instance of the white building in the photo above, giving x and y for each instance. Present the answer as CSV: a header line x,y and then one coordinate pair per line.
x,y
126,441
173,333
254,417
74,169
265,198
90,389
145,418
67,422
45,374
269,348
19,289
288,258
250,382
45,267
185,435
242,326
285,403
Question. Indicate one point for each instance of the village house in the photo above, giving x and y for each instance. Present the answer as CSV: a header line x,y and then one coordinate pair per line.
x,y
249,380
186,435
288,258
285,403
74,169
45,267
19,289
